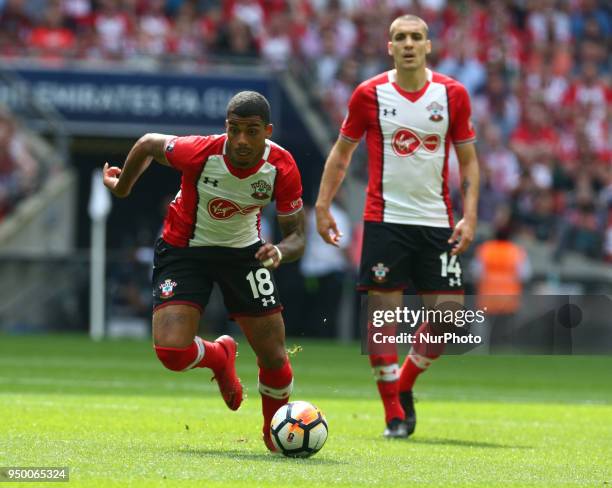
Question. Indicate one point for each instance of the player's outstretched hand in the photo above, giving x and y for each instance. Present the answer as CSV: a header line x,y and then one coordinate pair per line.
x,y
327,227
269,256
462,236
110,176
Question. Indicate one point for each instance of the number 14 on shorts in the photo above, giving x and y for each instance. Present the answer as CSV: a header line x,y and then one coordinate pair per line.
x,y
261,286
450,266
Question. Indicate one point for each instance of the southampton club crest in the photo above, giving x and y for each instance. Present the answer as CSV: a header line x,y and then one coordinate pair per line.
x,y
167,288
435,110
261,190
380,273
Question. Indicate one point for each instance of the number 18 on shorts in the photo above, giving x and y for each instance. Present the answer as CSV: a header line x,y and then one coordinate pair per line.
x,y
187,275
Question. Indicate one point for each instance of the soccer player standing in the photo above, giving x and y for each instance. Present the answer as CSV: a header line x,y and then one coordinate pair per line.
x,y
211,234
410,116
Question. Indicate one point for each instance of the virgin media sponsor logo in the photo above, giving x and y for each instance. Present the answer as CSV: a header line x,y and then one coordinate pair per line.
x,y
405,142
222,209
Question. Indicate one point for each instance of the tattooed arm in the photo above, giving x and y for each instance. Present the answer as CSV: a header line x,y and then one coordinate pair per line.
x,y
470,183
292,245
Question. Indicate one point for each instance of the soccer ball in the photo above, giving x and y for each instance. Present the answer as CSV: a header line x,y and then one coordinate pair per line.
x,y
298,429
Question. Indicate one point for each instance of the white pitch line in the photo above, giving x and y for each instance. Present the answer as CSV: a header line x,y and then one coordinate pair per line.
x,y
119,384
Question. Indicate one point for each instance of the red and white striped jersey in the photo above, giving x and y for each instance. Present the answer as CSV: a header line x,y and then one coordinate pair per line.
x,y
408,136
219,204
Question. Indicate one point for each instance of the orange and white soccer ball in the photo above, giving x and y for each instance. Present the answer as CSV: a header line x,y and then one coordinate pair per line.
x,y
298,429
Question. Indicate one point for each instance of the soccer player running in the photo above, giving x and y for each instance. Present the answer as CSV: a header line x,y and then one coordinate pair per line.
x,y
211,234
410,116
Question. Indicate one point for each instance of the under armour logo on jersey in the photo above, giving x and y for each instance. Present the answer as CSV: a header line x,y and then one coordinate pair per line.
x,y
268,301
387,111
454,281
208,181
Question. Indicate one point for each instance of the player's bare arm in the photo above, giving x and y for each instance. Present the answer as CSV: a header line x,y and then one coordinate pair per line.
x,y
291,248
465,229
120,181
334,172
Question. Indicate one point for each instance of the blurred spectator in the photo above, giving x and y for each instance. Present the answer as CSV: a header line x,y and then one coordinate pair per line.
x,y
189,38
15,29
327,62
18,169
591,20
235,41
496,105
541,222
344,32
580,227
547,22
462,64
490,199
534,141
336,96
547,85
249,13
78,12
52,39
324,268
524,197
113,28
589,99
276,48
501,162
500,268
153,30
370,61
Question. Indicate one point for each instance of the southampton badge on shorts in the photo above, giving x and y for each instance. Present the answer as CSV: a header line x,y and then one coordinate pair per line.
x,y
167,289
380,273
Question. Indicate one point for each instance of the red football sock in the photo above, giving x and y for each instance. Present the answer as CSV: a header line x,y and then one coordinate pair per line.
x,y
215,355
200,354
386,373
409,373
275,386
419,358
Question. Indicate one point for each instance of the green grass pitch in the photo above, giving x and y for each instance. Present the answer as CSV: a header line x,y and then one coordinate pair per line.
x,y
117,418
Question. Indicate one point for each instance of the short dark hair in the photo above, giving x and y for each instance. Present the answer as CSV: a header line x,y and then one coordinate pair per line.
x,y
409,18
248,104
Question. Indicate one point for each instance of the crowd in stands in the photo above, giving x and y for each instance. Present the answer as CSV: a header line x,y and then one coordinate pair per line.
x,y
537,70
19,170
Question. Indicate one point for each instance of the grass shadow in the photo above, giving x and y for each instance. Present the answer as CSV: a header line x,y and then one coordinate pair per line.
x,y
263,456
462,443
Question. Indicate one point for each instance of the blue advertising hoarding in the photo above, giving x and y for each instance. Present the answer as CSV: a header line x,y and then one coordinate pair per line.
x,y
128,103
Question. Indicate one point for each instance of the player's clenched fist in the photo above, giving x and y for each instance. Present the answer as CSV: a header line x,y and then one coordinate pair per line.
x,y
110,176
269,255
